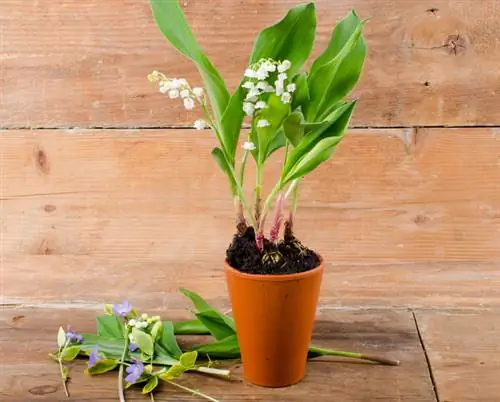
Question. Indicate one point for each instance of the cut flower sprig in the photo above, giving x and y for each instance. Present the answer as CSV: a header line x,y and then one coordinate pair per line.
x,y
303,112
145,348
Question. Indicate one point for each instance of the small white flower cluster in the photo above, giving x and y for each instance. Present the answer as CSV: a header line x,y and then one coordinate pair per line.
x,y
248,146
260,75
180,88
143,321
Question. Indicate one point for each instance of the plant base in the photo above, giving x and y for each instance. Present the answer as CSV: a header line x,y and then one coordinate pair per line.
x,y
286,257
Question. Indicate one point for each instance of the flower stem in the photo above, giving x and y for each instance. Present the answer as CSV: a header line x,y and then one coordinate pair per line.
x,y
193,391
330,352
152,397
121,393
63,377
213,371
242,166
230,163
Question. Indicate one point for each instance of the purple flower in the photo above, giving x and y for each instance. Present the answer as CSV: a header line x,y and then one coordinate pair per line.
x,y
122,310
72,336
133,347
94,357
134,371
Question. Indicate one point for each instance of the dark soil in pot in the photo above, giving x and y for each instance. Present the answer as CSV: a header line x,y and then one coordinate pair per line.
x,y
288,256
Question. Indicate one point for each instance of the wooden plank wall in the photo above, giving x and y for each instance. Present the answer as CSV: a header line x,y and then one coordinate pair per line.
x,y
106,192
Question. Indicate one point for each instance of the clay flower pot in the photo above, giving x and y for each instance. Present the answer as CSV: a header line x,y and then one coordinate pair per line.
x,y
274,316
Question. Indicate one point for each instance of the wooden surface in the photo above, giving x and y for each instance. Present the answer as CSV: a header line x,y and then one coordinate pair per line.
x,y
66,63
29,375
417,209
464,353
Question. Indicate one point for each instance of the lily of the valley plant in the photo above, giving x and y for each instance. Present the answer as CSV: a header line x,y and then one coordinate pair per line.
x,y
301,112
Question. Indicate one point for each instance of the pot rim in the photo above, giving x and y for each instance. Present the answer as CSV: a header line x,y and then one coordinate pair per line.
x,y
275,278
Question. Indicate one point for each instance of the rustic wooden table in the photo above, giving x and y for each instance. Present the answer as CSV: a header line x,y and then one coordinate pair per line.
x,y
448,356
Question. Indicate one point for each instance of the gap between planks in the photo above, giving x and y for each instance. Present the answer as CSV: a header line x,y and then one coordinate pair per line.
x,y
245,127
427,359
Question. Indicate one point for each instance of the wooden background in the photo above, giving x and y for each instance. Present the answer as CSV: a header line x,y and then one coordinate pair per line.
x,y
106,192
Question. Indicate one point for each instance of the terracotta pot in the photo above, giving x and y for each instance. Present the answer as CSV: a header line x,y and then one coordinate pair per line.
x,y
274,316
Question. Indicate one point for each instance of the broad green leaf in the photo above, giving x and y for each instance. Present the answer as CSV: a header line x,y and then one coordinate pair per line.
x,y
324,72
198,302
144,341
172,23
231,122
275,113
151,385
190,327
173,372
320,153
109,326
219,325
322,149
113,348
301,94
168,340
188,359
61,337
291,38
102,366
293,127
335,125
226,348
70,353
278,141
219,157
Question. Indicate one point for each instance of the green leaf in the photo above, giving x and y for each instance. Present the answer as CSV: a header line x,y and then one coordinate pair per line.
x,y
322,148
172,23
219,157
278,141
334,126
144,341
293,128
291,38
168,340
198,302
151,385
188,359
338,68
219,325
275,113
226,348
102,366
109,326
231,122
70,353
173,372
190,327
61,337
301,94
156,330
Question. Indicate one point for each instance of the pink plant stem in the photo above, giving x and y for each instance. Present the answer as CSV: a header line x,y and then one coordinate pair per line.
x,y
278,218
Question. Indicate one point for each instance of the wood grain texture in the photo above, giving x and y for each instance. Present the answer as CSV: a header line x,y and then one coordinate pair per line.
x,y
29,375
464,353
86,281
65,63
387,196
